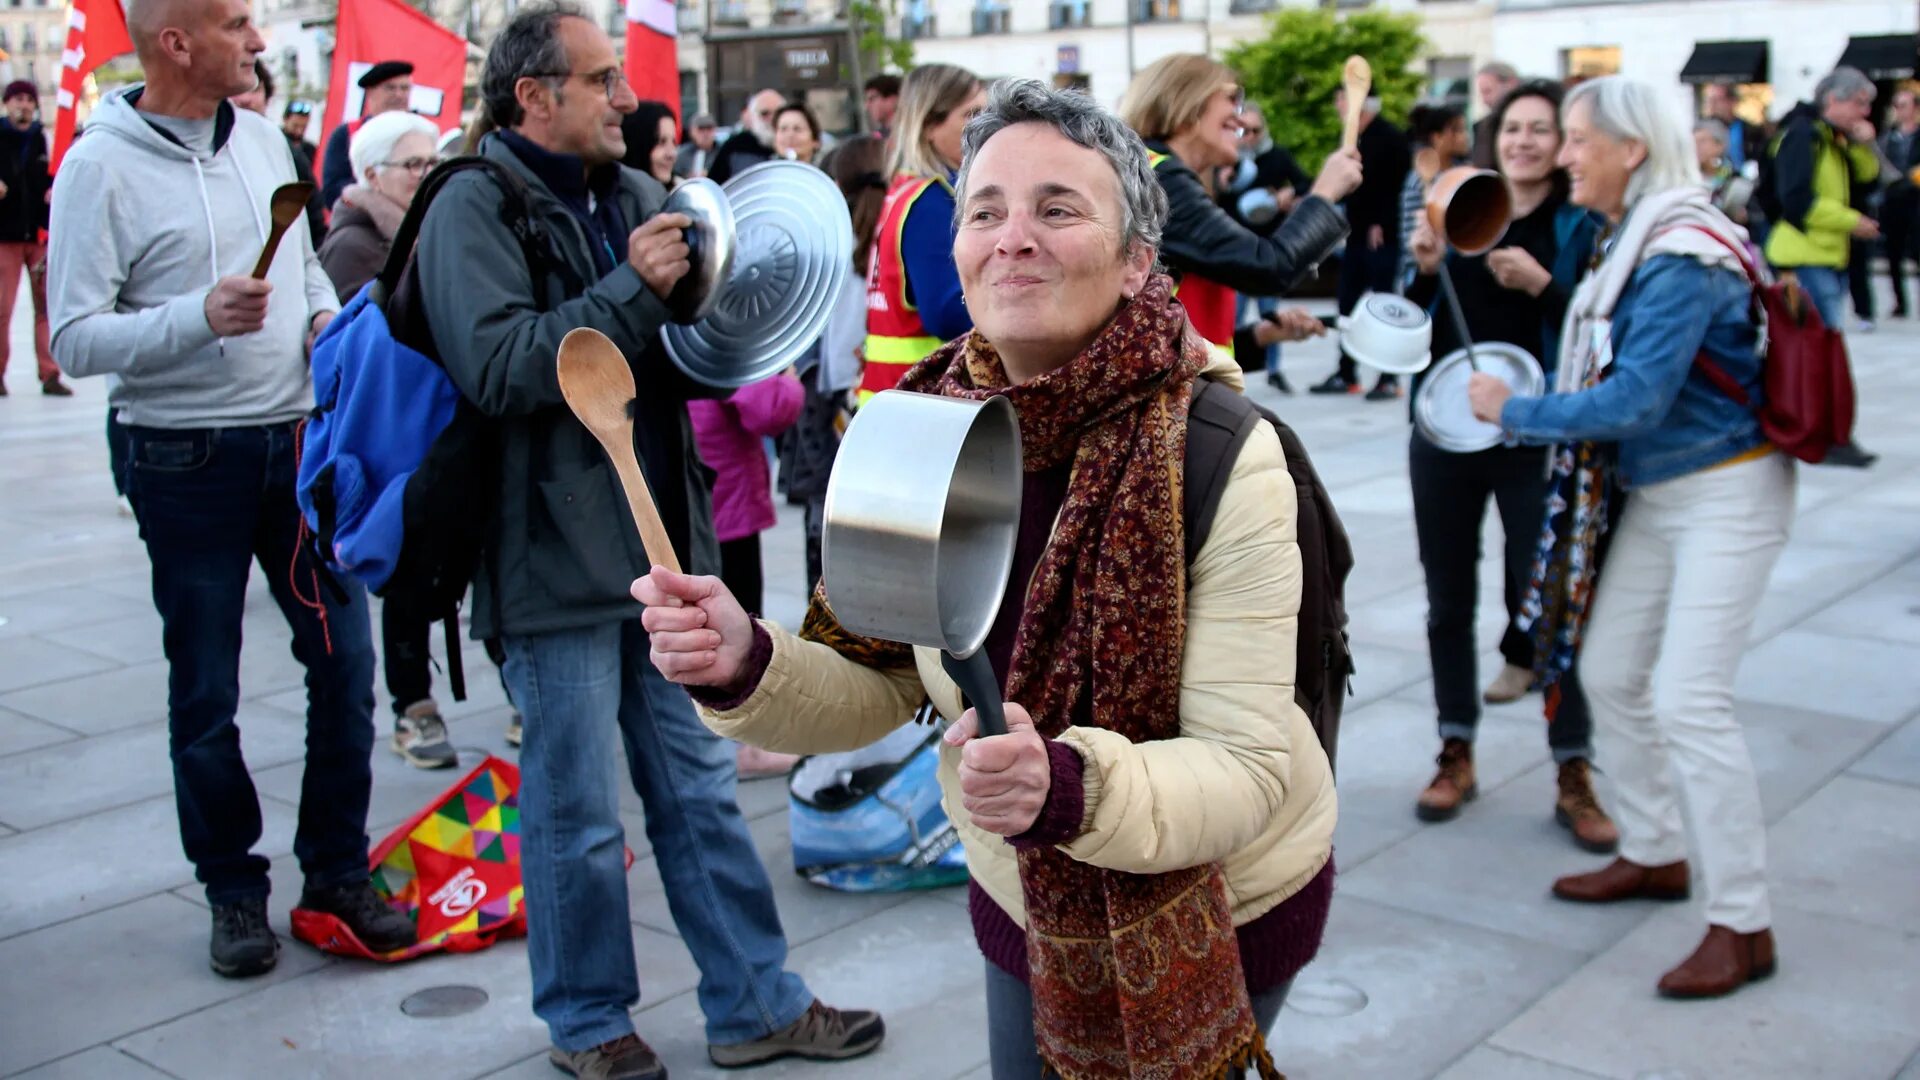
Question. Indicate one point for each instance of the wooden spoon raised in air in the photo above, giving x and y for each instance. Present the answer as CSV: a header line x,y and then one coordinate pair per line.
x,y
1357,81
289,202
598,386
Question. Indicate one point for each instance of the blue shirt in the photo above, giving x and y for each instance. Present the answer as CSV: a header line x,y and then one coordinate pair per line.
x,y
1668,419
926,250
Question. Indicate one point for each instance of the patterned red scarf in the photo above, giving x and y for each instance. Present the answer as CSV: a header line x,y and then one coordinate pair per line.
x,y
1133,975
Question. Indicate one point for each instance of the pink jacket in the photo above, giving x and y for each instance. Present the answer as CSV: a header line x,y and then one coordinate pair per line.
x,y
729,435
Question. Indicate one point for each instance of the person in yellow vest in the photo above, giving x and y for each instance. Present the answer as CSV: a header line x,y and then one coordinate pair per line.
x,y
1187,109
913,290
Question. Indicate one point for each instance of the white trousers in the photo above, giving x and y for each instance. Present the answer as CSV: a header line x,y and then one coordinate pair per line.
x,y
1675,603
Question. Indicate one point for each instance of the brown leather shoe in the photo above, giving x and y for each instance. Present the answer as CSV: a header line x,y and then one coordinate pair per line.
x,y
1623,880
1579,812
1452,786
1725,961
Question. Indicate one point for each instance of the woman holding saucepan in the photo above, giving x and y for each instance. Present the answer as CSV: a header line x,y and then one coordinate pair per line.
x,y
1150,842
1516,294
913,291
1187,108
1708,507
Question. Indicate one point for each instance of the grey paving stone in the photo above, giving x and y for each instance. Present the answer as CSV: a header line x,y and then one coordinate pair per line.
x,y
1842,1005
30,661
1897,759
1848,851
1383,670
99,1063
1433,989
1810,576
98,703
19,732
1887,609
87,864
1400,620
131,639
807,911
98,978
1796,751
1488,1063
47,611
345,1020
1866,679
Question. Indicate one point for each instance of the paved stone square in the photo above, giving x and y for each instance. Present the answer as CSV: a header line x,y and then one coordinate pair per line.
x,y
1445,957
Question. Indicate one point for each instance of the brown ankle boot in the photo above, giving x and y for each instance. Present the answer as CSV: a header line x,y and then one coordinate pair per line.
x,y
1623,880
1579,812
1725,961
1452,786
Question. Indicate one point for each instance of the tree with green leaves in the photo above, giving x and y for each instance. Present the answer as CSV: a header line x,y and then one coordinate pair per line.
x,y
1294,71
869,19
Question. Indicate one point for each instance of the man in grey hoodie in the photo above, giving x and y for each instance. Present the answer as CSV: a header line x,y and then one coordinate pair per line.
x,y
158,217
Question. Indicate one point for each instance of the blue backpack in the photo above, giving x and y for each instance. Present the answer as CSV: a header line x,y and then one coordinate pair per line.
x,y
399,472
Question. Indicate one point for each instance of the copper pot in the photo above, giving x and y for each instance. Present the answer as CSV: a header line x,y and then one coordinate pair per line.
x,y
1469,208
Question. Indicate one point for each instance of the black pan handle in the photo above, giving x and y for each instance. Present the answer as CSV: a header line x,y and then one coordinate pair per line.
x,y
982,690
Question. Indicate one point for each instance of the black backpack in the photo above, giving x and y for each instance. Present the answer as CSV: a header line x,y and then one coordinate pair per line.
x,y
1218,423
451,499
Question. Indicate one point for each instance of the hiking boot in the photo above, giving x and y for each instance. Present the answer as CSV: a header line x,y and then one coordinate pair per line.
x,y
625,1058
1452,787
243,944
1335,384
821,1034
55,388
1510,685
379,927
420,736
513,731
1387,389
1579,812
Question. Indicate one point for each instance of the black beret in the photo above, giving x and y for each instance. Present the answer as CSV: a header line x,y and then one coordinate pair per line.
x,y
384,70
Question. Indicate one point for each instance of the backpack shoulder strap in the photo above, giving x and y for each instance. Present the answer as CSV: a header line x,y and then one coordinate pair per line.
x,y
516,212
1218,424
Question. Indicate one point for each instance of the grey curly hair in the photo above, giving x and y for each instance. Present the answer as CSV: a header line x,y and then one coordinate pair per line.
x,y
1081,119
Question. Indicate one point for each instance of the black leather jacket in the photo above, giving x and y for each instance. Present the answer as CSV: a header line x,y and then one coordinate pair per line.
x,y
1201,238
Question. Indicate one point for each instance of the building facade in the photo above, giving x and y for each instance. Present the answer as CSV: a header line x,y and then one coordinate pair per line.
x,y
33,34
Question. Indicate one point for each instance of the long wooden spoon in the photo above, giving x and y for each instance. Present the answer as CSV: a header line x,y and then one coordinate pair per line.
x,y
598,386
289,202
1357,81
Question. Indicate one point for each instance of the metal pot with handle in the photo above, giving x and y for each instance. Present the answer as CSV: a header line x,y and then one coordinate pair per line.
x,y
921,515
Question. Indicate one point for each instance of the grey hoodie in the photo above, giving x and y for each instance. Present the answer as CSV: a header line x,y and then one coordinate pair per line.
x,y
142,228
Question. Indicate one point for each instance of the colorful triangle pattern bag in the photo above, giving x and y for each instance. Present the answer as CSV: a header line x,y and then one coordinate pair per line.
x,y
455,868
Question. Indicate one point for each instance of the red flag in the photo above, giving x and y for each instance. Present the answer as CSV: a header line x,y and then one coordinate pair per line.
x,y
96,33
653,56
369,31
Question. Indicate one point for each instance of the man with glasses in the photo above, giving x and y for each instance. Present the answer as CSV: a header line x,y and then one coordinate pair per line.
x,y
753,143
561,553
388,87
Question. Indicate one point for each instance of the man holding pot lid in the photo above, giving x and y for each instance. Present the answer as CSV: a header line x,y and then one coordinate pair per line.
x,y
1169,800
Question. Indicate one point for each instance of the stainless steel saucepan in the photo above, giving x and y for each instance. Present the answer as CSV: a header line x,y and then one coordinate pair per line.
x,y
922,510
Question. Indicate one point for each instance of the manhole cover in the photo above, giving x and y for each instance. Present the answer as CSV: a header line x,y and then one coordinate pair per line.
x,y
438,1001
1327,997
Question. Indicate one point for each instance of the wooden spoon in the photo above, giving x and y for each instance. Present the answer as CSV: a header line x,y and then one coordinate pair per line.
x,y
289,202
1357,81
598,386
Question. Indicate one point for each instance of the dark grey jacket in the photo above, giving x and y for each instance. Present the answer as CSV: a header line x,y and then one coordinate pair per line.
x,y
563,550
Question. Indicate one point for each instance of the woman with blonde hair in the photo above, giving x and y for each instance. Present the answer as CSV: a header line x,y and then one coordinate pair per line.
x,y
913,291
1187,109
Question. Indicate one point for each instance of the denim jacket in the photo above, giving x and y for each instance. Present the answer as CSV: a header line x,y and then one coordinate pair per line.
x,y
1668,419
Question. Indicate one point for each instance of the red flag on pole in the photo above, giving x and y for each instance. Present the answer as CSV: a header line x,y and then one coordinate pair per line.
x,y
653,56
369,31
96,33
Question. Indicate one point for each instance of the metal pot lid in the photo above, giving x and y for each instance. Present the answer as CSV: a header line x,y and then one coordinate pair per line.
x,y
1441,411
711,247
793,247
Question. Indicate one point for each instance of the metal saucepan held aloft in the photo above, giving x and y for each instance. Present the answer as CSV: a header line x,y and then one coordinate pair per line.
x,y
922,510
1470,208
1387,333
1441,410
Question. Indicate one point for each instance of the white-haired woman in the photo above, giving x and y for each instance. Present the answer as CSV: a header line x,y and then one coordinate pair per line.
x,y
1666,316
391,153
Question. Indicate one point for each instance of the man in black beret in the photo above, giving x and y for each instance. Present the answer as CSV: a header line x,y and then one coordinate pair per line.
x,y
388,85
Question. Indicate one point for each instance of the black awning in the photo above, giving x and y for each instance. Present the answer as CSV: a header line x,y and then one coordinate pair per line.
x,y
1726,62
1885,56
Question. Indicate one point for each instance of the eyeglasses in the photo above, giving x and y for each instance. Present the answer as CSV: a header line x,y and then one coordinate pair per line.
x,y
418,166
610,80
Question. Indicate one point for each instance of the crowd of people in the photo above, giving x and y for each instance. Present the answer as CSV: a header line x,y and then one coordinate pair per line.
x,y
1108,273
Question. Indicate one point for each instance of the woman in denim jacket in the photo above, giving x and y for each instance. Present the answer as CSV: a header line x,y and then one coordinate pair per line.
x,y
1707,513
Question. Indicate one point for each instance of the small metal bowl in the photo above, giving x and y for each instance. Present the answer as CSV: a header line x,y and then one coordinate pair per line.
x,y
710,244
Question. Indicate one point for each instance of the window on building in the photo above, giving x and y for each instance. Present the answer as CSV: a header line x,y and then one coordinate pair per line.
x,y
918,21
688,15
730,13
617,21
1069,14
1450,79
29,41
6,40
1250,7
1589,62
990,17
1147,11
789,12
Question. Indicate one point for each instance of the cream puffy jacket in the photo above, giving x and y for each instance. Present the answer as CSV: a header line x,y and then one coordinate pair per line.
x,y
1246,781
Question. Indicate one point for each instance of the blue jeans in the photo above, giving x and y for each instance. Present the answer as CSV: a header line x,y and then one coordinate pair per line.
x,y
581,693
210,502
1011,1047
1827,288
